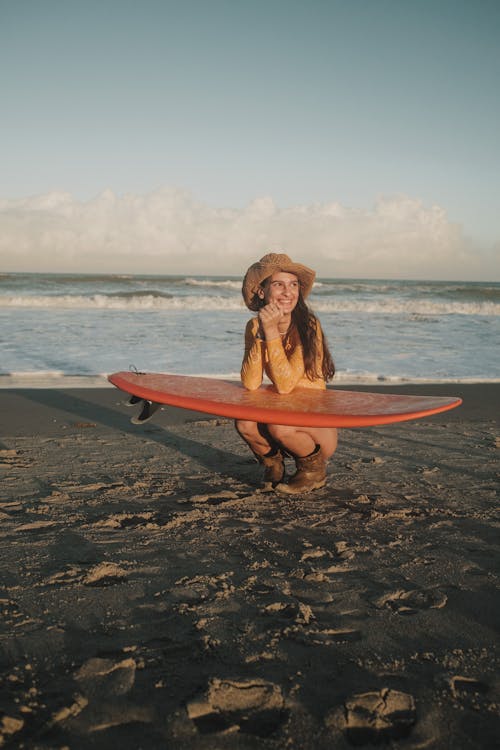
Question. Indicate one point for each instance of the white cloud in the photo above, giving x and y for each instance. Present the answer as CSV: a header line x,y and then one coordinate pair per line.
x,y
169,231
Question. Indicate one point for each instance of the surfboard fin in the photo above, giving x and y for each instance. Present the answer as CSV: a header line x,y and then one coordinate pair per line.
x,y
148,409
133,400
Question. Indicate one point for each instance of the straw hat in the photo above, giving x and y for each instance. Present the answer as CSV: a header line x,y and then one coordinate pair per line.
x,y
265,267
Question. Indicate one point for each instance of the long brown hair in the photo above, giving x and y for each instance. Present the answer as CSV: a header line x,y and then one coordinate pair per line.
x,y
306,323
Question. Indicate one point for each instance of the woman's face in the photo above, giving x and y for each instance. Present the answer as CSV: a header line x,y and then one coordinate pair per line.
x,y
283,289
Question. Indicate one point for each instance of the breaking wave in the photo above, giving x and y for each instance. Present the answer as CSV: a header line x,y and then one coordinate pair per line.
x,y
145,300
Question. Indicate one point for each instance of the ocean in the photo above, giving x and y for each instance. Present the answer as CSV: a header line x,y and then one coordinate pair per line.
x,y
59,325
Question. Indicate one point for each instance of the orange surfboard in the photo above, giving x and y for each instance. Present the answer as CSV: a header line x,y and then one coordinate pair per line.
x,y
304,407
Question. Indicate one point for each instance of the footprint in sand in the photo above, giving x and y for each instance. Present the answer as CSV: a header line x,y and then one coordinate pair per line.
x,y
105,574
374,717
35,526
105,701
104,677
211,498
461,685
253,707
326,637
12,459
72,547
298,611
410,602
69,576
127,520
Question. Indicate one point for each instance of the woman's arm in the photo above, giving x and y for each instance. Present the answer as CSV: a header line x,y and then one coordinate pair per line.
x,y
284,371
252,367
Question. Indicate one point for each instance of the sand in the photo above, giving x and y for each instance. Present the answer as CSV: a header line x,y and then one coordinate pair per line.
x,y
152,597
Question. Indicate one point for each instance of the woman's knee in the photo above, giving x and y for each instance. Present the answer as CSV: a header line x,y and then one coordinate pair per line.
x,y
246,428
288,436
280,432
329,444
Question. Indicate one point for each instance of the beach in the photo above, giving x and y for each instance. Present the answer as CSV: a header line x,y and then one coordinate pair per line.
x,y
153,597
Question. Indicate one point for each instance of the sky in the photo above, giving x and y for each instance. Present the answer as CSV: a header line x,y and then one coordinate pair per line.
x,y
193,137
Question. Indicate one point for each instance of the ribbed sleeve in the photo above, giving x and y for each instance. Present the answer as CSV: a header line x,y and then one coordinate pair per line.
x,y
252,367
284,372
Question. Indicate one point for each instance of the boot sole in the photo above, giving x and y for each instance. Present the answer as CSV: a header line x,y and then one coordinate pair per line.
x,y
270,486
267,487
288,490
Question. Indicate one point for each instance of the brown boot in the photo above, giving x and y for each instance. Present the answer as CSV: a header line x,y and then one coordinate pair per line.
x,y
274,469
310,474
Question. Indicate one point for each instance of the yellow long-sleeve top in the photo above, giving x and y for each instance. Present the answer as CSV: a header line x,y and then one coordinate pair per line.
x,y
283,364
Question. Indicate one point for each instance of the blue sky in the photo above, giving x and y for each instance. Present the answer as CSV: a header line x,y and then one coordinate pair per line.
x,y
274,105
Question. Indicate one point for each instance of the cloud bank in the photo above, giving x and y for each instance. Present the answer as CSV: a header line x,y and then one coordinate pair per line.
x,y
169,231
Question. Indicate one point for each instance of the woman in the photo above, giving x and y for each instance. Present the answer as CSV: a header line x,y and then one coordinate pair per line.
x,y
286,342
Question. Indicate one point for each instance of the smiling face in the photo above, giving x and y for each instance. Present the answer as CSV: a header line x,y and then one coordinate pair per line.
x,y
282,289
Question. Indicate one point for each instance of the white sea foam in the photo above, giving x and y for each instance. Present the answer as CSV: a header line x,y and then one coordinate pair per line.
x,y
56,379
372,378
410,307
145,302
226,284
135,303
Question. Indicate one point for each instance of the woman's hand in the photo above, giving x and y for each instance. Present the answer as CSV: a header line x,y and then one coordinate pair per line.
x,y
269,317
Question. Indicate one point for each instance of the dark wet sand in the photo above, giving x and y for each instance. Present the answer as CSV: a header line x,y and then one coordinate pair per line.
x,y
153,597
